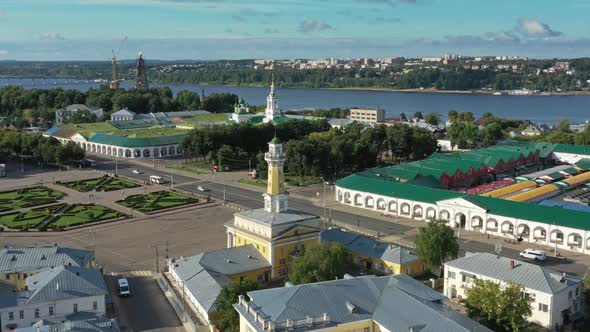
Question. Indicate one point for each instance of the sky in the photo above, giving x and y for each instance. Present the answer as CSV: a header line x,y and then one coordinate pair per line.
x,y
288,29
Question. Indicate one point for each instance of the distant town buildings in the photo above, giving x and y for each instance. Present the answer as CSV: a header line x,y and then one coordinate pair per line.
x,y
557,296
367,116
63,114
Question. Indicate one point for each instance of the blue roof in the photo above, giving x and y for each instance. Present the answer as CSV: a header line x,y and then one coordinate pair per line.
x,y
565,205
52,131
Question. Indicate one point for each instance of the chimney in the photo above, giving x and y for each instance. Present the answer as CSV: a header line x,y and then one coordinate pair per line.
x,y
512,264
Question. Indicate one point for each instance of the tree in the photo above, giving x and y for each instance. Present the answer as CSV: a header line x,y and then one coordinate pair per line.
x,y
228,317
433,118
563,126
491,133
69,152
453,115
403,117
501,307
418,115
436,242
318,262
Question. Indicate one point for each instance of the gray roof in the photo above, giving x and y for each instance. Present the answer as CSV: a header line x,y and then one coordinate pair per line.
x,y
207,273
528,275
369,247
340,122
185,114
395,302
37,258
123,112
88,325
271,218
60,283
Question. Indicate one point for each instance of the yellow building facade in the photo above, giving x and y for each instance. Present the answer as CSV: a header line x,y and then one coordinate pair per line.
x,y
276,231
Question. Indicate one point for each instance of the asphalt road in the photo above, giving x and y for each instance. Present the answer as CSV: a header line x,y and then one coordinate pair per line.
x,y
253,199
146,308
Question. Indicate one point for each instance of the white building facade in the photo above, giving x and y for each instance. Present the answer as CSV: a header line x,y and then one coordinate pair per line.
x,y
272,111
557,298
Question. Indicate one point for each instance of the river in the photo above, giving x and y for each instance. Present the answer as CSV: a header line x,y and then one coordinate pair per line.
x,y
547,109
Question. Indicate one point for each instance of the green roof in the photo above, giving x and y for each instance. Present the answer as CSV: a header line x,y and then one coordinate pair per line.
x,y
372,183
133,142
275,140
574,149
386,187
554,176
584,164
534,212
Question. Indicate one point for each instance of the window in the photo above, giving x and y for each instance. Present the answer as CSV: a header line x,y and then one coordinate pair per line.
x,y
451,275
25,276
50,310
94,305
21,314
282,272
282,261
543,307
569,295
37,313
367,329
577,291
463,278
7,276
10,315
76,306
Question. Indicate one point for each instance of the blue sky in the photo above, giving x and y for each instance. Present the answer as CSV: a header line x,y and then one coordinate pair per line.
x,y
239,29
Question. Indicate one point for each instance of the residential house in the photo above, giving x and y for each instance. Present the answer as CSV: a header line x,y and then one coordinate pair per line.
x,y
123,115
63,114
82,325
54,294
367,116
531,130
17,264
557,296
368,304
374,255
201,277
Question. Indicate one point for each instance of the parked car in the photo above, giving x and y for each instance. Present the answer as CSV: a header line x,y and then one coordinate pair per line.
x,y
201,188
538,255
136,171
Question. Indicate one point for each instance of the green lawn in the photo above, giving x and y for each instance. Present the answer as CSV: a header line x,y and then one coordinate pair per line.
x,y
257,183
156,201
27,197
29,219
295,180
188,169
103,183
79,214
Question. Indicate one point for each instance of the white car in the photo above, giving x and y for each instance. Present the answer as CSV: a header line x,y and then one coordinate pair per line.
x,y
200,188
136,171
538,255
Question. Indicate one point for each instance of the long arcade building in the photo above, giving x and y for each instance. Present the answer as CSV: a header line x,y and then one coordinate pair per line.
x,y
557,227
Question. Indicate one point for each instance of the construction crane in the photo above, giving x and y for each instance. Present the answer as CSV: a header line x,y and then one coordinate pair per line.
x,y
114,81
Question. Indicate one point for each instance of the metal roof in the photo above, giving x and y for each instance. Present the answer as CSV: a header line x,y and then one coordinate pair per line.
x,y
60,283
276,218
369,247
528,275
207,273
132,142
37,258
86,325
390,301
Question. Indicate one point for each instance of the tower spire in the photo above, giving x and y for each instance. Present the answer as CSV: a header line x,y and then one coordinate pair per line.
x,y
275,198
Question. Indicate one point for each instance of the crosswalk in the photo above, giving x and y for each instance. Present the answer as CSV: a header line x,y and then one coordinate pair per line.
x,y
129,274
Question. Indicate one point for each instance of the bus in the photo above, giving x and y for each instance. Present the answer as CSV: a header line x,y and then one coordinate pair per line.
x,y
157,179
123,287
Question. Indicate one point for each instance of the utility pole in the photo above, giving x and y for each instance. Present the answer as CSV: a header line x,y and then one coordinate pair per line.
x,y
171,178
224,192
157,260
116,166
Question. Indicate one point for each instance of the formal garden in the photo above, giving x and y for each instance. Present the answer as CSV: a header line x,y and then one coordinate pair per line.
x,y
80,214
28,197
58,216
103,183
155,201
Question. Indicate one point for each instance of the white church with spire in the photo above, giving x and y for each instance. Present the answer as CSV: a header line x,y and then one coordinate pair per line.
x,y
272,111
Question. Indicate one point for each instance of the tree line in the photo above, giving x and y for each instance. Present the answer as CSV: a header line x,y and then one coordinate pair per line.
x,y
41,150
20,107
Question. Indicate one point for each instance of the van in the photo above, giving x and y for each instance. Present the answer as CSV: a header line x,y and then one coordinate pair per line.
x,y
538,255
157,179
123,287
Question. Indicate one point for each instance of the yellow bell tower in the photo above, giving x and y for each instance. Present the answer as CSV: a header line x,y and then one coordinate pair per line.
x,y
276,197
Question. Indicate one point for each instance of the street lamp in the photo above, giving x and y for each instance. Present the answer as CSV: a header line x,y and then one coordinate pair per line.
x,y
157,257
324,203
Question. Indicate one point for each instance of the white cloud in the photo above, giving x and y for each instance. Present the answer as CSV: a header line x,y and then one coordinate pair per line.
x,y
3,52
52,36
313,25
535,29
